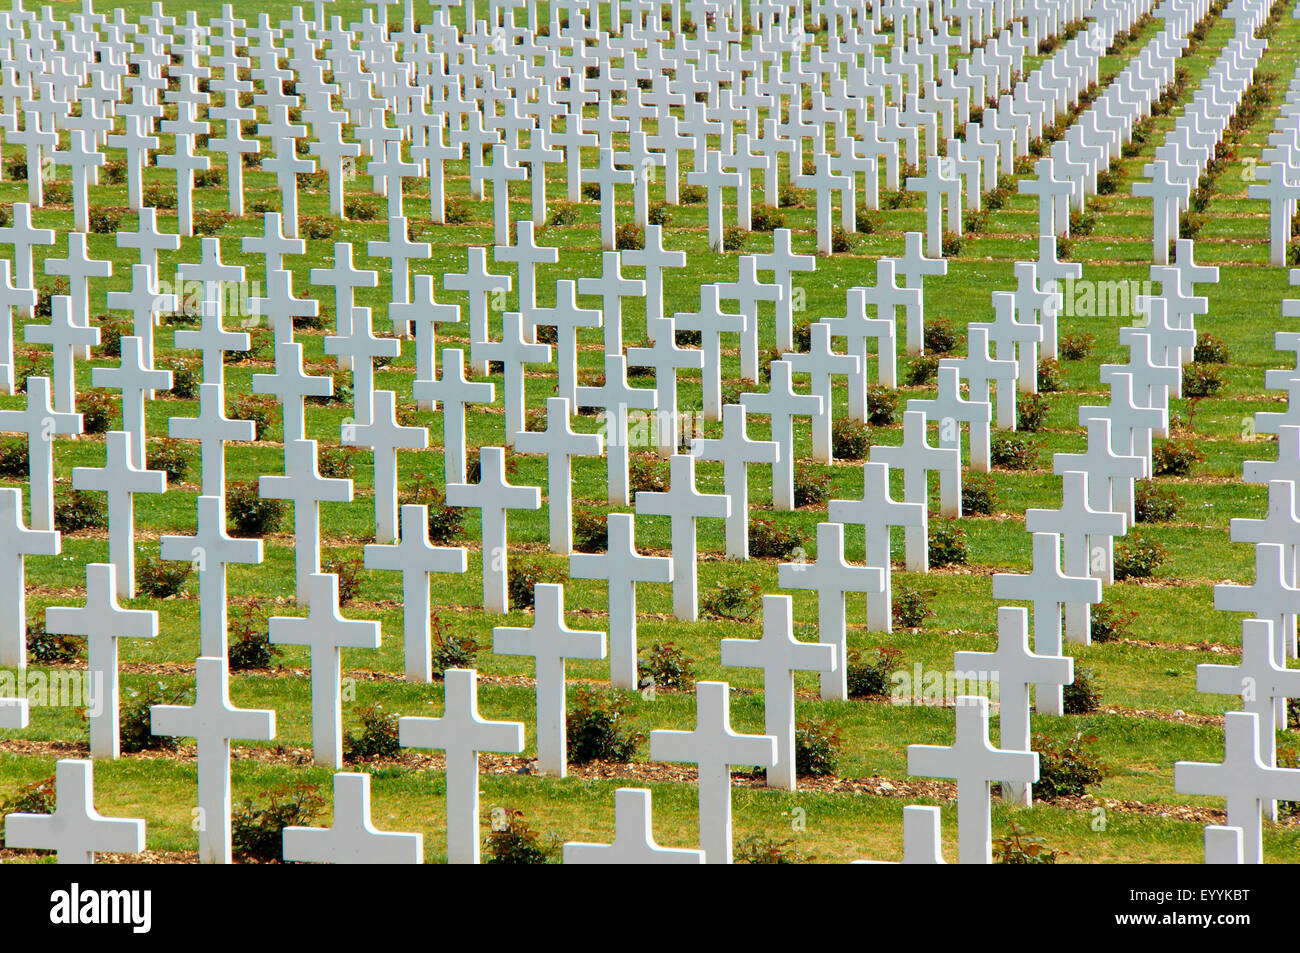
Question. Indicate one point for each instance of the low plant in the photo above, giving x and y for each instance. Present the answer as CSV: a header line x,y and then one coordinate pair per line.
x,y
135,729
1050,377
869,673
921,369
47,648
1031,412
590,532
523,577
1138,556
665,665
948,545
1175,457
349,572
1083,695
511,841
850,439
1065,768
1153,503
811,487
172,457
909,606
771,540
1108,623
597,730
737,602
1013,451
377,739
250,646
77,510
1075,347
760,849
882,405
817,743
1022,847
251,514
940,337
257,827
978,494
161,578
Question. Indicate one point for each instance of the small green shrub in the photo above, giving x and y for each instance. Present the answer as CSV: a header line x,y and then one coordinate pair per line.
x,y
1202,380
765,218
770,540
97,412
1083,695
590,532
249,645
377,740
1065,768
1108,623
1013,451
1022,847
909,606
978,494
185,379
842,241
76,510
940,337
48,648
512,841
734,238
868,674
596,729
1175,457
817,744
947,543
665,665
921,369
1075,347
361,208
737,602
759,849
692,194
1050,378
629,236
882,405
13,459
522,578
349,573
104,220
136,721
161,578
645,475
1153,503
1138,556
257,828
952,244
850,439
250,514
811,487
1210,350
1031,412
172,457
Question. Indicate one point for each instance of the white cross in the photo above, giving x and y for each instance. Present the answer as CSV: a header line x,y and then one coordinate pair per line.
x,y
385,436
1015,668
1263,683
501,173
211,338
416,558
714,747
878,512
494,496
17,542
307,489
736,450
567,318
782,404
858,330
613,288
549,641
655,259
1271,596
64,338
684,504
40,423
23,236
779,655
560,444
421,316
622,567
1242,779
825,183
210,550
1110,474
634,841
291,385
712,322
75,831
916,459
783,263
361,347
831,577
667,359
102,621
950,409
1087,538
345,278
121,479
135,378
462,733
455,392
616,397
822,365
213,429
213,722
11,298
513,351
353,837
1048,589
608,177
326,633
975,764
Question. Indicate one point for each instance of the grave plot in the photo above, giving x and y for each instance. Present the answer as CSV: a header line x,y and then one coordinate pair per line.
x,y
660,432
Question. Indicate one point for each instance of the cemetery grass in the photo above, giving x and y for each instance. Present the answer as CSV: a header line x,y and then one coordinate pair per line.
x,y
1151,713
